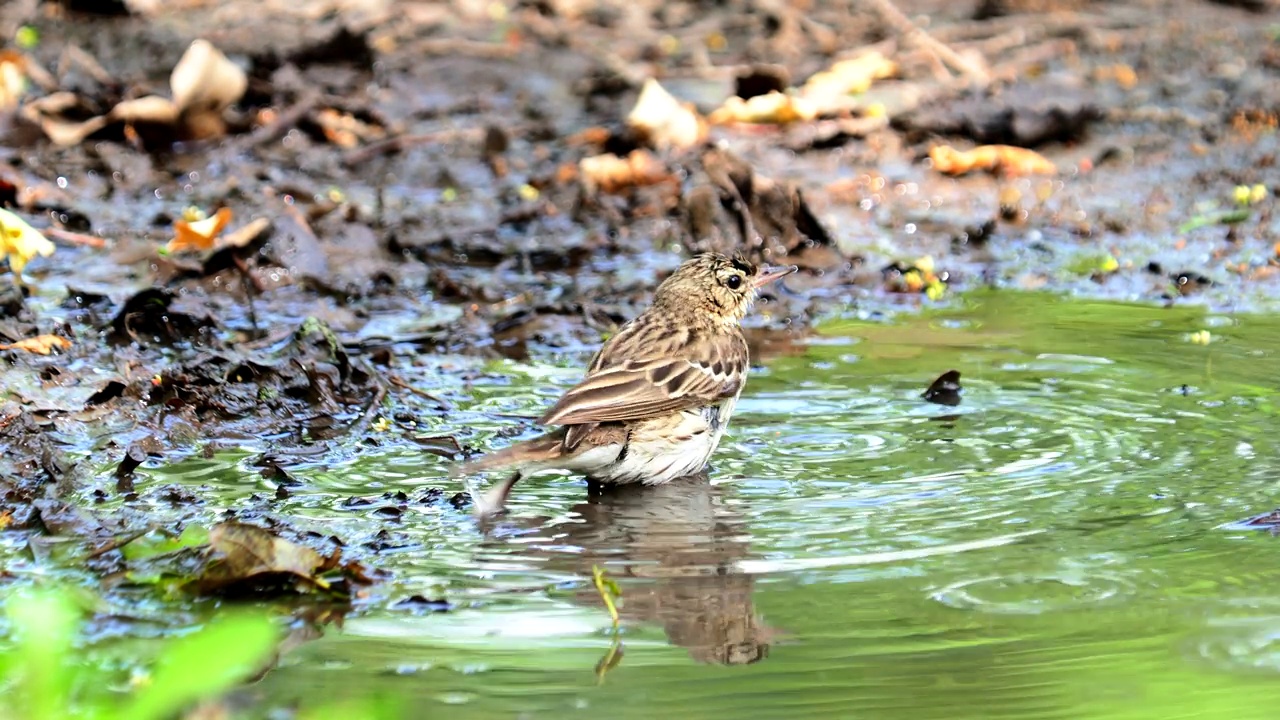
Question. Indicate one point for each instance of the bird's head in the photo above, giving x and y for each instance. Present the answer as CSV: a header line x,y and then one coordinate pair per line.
x,y
715,286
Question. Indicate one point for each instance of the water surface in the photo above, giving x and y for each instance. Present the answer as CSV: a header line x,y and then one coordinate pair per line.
x,y
1065,543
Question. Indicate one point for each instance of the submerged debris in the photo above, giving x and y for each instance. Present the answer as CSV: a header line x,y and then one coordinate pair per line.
x,y
945,390
244,558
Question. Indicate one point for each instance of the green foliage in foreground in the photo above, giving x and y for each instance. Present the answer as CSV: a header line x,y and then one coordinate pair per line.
x,y
45,682
43,678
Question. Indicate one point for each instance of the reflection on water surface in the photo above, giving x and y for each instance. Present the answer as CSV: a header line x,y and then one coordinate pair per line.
x,y
1058,545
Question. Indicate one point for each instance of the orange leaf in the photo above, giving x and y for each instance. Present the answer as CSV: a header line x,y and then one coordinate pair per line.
x,y
609,173
40,344
198,235
1005,159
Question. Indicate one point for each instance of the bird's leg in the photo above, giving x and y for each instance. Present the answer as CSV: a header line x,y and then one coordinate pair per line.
x,y
495,501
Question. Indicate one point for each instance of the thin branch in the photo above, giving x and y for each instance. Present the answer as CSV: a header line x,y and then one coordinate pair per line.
x,y
895,17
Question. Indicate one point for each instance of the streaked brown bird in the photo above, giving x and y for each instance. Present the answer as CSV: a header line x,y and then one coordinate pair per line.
x,y
658,396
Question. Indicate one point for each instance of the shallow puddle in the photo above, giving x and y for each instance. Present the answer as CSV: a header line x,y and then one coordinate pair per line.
x,y
1064,543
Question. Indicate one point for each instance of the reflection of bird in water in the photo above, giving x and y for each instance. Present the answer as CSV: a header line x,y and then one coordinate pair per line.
x,y
683,540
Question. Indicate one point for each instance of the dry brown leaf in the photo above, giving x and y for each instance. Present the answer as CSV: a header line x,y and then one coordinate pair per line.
x,y
204,83
40,344
247,234
249,553
49,113
596,136
772,108
198,234
609,173
665,122
1004,159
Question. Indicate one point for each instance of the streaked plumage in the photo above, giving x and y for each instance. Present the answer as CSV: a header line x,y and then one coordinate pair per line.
x,y
658,396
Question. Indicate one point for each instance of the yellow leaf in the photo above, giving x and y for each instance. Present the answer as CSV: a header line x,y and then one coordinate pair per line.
x,y
20,242
827,89
198,234
1257,193
771,108
40,344
13,79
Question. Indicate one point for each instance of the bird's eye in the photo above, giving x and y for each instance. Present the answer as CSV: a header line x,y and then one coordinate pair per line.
x,y
734,282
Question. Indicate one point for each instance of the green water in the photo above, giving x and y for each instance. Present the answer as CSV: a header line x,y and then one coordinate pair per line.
x,y
1064,544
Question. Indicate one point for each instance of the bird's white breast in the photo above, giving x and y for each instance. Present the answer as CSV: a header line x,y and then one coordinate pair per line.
x,y
657,458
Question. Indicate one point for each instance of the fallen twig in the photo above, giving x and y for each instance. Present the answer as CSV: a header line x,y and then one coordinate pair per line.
x,y
400,383
467,48
400,143
76,55
894,17
374,407
116,544
76,238
285,120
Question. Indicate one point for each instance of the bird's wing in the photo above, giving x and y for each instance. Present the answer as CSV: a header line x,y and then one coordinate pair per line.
x,y
650,369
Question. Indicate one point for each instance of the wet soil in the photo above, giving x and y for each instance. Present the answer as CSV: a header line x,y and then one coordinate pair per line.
x,y
418,168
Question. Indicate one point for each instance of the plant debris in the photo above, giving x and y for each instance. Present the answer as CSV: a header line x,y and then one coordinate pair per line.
x,y
1003,159
40,344
245,558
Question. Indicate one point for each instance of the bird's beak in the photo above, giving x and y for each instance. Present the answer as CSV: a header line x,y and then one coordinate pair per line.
x,y
769,274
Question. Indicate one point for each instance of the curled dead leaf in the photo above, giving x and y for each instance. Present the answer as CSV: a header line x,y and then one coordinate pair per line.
x,y
149,109
665,122
205,81
40,344
198,234
52,114
609,173
1004,159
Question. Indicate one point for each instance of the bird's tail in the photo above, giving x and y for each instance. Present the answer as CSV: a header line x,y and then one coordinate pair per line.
x,y
521,457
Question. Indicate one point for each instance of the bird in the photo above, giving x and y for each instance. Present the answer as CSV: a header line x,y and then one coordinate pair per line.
x,y
658,395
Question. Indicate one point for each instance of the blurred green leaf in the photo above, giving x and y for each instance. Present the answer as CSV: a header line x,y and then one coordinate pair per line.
x,y
204,665
44,624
